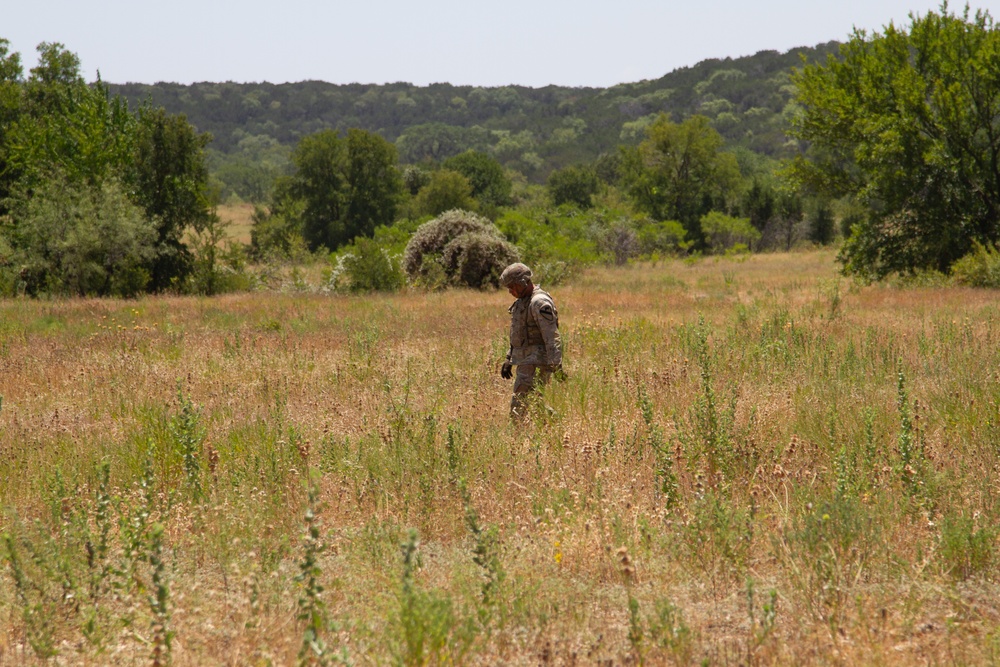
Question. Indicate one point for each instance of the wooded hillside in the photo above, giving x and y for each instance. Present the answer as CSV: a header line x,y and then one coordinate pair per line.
x,y
532,130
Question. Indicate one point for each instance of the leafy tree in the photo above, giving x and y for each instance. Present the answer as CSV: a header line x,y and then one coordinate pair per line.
x,y
80,239
758,204
905,121
680,172
490,184
11,74
439,141
821,224
446,190
170,181
573,185
348,186
789,213
320,181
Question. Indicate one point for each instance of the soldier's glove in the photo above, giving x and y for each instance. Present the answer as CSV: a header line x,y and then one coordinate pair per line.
x,y
505,370
559,373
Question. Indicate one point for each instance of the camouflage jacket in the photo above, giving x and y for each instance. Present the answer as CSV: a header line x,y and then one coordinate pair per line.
x,y
534,331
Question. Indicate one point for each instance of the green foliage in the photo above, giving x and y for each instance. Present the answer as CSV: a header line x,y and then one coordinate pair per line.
x,y
72,238
371,268
427,626
553,245
723,233
491,186
904,120
348,187
56,131
966,549
467,248
980,268
170,179
573,185
821,224
680,172
567,125
445,190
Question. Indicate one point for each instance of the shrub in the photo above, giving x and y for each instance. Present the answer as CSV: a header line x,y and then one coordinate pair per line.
x,y
467,247
82,240
371,268
723,232
979,268
476,259
661,237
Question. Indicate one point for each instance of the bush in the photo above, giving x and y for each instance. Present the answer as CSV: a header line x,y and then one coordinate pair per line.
x,y
468,248
980,268
82,240
723,232
661,237
370,268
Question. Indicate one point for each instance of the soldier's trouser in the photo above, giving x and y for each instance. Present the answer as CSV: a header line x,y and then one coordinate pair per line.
x,y
525,381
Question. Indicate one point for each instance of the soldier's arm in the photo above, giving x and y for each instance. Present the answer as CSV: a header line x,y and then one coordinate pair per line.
x,y
548,324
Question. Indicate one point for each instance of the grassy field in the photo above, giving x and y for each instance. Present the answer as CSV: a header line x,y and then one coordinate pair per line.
x,y
239,218
751,462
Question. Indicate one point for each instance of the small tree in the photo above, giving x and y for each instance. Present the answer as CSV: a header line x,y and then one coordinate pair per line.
x,y
490,184
723,232
573,185
445,190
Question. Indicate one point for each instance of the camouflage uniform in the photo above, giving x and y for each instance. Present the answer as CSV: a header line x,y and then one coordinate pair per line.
x,y
535,346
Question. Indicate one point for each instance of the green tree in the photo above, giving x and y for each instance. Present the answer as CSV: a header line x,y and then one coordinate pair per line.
x,y
320,181
490,184
11,75
905,121
758,204
680,172
573,185
821,224
170,181
374,181
348,186
79,239
446,190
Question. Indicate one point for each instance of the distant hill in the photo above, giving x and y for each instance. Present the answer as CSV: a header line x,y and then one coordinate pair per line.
x,y
530,129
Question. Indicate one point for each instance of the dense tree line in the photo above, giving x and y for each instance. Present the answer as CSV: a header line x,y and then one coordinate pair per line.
x,y
534,131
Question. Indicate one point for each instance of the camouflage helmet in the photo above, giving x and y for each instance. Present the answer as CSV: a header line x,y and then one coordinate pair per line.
x,y
515,273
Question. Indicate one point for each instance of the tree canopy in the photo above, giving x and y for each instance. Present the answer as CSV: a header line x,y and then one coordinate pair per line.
x,y
907,122
69,148
347,186
680,172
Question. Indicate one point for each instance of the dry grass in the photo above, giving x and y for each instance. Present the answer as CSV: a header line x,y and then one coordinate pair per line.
x,y
771,393
239,219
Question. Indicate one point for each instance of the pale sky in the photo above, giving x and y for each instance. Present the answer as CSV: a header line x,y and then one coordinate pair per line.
x,y
464,42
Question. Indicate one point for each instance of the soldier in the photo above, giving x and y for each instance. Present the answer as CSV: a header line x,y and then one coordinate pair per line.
x,y
535,346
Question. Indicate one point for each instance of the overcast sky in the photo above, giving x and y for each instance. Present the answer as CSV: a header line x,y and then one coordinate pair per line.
x,y
468,42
